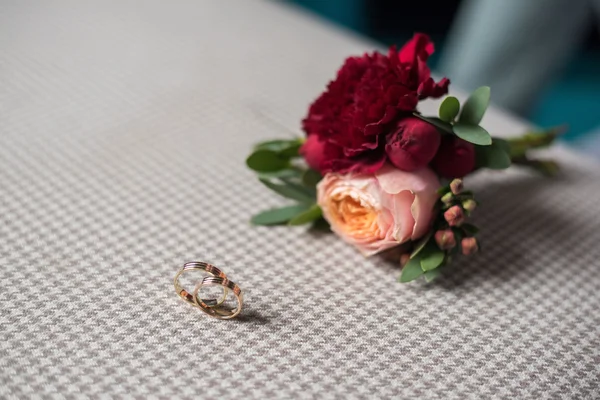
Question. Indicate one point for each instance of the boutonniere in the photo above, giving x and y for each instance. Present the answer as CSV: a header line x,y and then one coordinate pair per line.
x,y
383,175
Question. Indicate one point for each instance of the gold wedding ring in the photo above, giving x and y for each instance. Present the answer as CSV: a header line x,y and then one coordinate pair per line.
x,y
214,308
199,266
221,312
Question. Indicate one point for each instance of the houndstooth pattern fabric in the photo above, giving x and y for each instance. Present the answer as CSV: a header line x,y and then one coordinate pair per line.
x,y
123,132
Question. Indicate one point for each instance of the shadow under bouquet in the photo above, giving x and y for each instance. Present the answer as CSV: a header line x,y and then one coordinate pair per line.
x,y
381,174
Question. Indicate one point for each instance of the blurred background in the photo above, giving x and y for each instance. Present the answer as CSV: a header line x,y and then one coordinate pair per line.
x,y
541,57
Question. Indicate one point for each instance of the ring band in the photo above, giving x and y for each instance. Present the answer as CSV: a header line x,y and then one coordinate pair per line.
x,y
201,266
220,312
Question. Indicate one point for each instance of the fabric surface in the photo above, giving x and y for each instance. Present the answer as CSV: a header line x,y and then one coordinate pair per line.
x,y
123,132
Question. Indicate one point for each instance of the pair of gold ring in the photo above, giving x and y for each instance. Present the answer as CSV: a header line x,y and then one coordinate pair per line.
x,y
214,308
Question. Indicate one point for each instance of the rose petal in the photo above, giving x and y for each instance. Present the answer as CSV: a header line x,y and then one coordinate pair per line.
x,y
404,218
421,212
370,249
423,183
393,180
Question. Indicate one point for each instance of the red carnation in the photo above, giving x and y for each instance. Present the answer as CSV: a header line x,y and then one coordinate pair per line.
x,y
455,158
412,144
316,152
367,97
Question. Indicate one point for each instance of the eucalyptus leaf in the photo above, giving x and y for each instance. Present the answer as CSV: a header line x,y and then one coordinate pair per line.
x,y
278,144
266,161
310,191
291,151
449,109
282,173
277,216
475,106
431,257
472,133
431,275
289,190
311,177
438,123
412,270
310,215
493,156
421,244
502,143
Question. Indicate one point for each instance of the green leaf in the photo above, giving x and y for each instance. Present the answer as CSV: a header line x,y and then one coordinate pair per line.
x,y
310,215
307,190
449,109
438,123
469,229
502,143
290,190
493,156
475,106
431,275
472,133
431,257
291,151
311,177
278,144
285,148
443,190
421,244
282,173
266,161
411,271
276,216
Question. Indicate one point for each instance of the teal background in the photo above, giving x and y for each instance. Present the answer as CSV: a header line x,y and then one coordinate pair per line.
x,y
573,99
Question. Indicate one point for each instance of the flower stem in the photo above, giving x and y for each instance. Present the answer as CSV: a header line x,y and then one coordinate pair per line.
x,y
521,146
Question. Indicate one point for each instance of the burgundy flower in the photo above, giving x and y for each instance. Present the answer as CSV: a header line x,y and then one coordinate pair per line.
x,y
416,53
455,158
412,144
368,96
316,152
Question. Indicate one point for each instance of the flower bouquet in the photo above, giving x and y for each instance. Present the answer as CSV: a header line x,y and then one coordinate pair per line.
x,y
383,175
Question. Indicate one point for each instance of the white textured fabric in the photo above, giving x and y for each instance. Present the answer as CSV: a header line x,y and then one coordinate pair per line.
x,y
123,132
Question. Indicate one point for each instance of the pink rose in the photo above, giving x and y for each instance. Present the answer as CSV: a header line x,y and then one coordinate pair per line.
x,y
375,212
